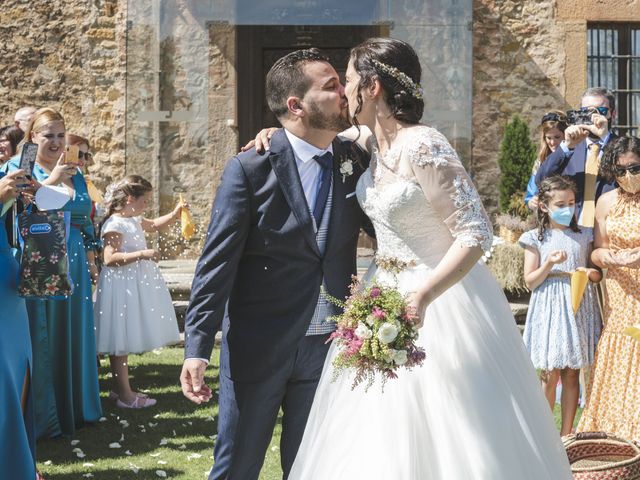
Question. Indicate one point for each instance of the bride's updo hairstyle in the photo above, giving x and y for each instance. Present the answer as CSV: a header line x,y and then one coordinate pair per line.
x,y
396,66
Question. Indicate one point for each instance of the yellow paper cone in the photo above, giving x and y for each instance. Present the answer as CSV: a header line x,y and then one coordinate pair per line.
x,y
633,331
188,227
579,280
94,193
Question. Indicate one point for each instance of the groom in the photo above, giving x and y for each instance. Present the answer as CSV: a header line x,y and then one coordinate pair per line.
x,y
284,224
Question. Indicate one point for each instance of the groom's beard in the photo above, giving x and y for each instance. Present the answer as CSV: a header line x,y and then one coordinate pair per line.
x,y
337,122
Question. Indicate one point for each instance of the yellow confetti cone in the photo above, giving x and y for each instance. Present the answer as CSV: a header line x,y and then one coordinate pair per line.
x,y
579,280
94,193
633,331
188,227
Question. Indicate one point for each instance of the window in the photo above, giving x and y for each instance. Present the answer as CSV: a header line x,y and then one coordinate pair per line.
x,y
613,61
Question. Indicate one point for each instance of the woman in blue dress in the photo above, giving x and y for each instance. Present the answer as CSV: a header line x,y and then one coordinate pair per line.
x,y
65,376
17,440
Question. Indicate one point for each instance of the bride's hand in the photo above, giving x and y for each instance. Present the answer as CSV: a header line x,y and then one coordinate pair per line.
x,y
418,304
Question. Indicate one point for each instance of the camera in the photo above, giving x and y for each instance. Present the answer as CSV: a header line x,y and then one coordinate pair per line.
x,y
581,117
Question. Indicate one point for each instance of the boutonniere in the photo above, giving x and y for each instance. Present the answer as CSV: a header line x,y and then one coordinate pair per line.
x,y
346,168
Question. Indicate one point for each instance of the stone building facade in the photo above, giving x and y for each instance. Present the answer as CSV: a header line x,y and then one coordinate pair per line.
x,y
150,109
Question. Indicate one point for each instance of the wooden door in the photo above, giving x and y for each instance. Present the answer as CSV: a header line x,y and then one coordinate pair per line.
x,y
259,46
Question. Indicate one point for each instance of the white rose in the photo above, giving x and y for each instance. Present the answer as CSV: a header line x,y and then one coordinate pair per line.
x,y
362,331
346,168
387,333
370,319
400,357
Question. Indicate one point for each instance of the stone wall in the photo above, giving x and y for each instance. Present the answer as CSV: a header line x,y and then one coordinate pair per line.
x,y
528,57
69,55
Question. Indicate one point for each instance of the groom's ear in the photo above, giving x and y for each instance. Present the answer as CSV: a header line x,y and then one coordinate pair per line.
x,y
294,106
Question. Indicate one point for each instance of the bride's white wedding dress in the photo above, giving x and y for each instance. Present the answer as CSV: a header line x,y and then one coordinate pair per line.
x,y
475,409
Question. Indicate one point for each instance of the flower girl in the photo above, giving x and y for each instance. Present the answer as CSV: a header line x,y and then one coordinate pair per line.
x,y
133,310
563,321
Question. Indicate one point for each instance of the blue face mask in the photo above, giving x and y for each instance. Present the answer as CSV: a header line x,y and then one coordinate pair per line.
x,y
563,215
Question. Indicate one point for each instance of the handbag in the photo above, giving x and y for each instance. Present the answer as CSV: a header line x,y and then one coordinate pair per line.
x,y
599,456
44,263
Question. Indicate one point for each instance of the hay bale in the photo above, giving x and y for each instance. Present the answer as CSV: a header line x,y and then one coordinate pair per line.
x,y
507,265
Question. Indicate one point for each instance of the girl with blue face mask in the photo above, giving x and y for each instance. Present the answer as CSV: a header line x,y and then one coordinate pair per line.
x,y
560,342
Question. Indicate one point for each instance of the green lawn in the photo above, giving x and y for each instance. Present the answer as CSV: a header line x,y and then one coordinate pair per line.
x,y
174,437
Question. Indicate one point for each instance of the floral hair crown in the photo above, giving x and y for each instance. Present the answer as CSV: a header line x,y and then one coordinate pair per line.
x,y
414,88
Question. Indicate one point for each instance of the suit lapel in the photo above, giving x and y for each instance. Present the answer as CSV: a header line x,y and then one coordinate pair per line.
x,y
283,162
339,193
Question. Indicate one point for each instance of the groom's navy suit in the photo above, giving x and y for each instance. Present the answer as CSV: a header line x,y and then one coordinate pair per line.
x,y
262,261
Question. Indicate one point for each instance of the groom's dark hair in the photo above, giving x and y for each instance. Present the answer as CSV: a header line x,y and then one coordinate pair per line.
x,y
286,78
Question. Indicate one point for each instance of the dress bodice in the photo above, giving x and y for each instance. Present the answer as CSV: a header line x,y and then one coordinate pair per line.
x,y
424,200
130,229
623,222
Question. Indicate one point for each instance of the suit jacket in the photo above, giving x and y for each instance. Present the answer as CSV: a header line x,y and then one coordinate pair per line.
x,y
261,256
573,166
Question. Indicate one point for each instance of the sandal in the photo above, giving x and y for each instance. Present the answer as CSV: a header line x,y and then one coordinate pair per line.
x,y
139,402
114,396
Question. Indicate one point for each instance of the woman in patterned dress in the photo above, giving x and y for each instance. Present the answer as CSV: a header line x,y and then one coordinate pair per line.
x,y
614,402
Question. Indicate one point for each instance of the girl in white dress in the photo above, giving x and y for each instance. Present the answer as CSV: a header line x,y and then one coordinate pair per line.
x,y
133,310
474,409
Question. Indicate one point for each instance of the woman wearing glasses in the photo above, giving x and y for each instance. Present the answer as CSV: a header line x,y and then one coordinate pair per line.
x,y
613,405
553,125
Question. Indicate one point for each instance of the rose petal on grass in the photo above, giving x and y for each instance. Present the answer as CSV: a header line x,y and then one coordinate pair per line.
x,y
128,453
102,419
115,445
74,442
164,441
155,454
161,473
162,462
88,465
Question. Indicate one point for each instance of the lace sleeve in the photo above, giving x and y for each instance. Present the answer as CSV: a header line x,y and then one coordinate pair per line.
x,y
449,189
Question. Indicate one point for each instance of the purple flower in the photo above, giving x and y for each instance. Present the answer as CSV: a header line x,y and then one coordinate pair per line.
x,y
375,292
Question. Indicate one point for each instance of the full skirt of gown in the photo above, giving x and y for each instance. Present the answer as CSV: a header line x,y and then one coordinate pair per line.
x,y
473,410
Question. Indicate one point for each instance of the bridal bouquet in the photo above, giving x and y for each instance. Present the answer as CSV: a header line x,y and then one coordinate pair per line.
x,y
376,333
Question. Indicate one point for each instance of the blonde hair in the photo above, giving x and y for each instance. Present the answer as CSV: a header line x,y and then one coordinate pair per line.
x,y
42,117
115,198
555,119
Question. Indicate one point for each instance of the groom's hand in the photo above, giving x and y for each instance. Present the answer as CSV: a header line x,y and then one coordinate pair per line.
x,y
192,381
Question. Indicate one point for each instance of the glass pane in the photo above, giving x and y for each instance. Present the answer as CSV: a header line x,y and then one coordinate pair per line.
x,y
195,75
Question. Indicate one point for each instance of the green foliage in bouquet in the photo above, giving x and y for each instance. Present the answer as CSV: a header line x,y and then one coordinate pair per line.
x,y
375,334
517,154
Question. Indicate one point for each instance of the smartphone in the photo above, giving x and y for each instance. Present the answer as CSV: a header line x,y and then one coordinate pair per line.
x,y
28,158
71,154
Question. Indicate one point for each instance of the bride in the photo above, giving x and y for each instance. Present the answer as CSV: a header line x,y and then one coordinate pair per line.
x,y
474,410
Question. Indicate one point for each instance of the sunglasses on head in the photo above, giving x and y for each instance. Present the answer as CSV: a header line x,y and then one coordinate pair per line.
x,y
621,171
553,117
601,110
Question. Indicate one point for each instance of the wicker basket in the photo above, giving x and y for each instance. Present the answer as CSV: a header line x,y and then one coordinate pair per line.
x,y
508,235
598,456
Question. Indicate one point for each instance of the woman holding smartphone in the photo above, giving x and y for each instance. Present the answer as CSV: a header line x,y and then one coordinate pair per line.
x,y
65,377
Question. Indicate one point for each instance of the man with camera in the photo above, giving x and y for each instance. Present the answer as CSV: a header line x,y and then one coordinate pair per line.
x,y
579,154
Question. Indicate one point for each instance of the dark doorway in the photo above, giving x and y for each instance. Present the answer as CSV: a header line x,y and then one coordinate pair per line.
x,y
259,46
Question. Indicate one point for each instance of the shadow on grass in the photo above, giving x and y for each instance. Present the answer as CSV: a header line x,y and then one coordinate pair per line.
x,y
121,474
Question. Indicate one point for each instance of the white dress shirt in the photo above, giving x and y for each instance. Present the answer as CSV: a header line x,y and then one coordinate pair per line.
x,y
308,168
